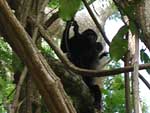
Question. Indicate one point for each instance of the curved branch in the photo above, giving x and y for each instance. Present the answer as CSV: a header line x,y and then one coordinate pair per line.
x,y
96,22
51,19
144,80
72,67
47,82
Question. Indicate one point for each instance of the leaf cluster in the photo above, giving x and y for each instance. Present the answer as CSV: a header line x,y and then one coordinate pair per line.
x,y
119,44
68,8
145,58
114,95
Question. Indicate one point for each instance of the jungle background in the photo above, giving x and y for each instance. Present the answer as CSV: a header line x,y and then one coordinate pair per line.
x,y
36,77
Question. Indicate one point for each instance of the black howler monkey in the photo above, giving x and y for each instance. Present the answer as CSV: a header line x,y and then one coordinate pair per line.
x,y
83,51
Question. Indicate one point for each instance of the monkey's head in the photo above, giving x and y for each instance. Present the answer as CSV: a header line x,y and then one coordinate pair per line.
x,y
90,36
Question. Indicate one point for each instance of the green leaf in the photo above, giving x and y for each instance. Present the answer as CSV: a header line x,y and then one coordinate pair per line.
x,y
132,27
53,3
119,45
1,83
68,8
145,58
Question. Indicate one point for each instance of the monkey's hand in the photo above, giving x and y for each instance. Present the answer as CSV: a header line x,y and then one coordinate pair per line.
x,y
76,27
69,23
75,23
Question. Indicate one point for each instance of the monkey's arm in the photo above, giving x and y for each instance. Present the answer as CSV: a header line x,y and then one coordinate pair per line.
x,y
65,43
76,28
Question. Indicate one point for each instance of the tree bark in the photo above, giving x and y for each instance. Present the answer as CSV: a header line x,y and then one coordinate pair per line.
x,y
47,82
141,16
143,19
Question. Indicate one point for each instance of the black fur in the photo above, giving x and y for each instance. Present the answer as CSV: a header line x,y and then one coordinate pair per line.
x,y
83,51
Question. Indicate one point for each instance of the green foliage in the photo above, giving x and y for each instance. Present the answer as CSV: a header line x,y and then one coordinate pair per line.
x,y
119,45
132,27
6,70
46,50
8,60
68,8
145,58
53,3
5,58
145,108
5,51
114,94
6,87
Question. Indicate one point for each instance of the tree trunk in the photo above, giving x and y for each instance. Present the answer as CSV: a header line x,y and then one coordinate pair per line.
x,y
143,19
47,82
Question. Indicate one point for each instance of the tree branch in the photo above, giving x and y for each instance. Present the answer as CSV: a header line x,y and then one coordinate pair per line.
x,y
145,81
96,22
47,82
85,72
51,19
18,89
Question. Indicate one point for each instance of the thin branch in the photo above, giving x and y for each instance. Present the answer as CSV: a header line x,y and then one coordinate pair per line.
x,y
51,19
144,80
96,22
93,73
127,85
25,70
18,89
136,97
